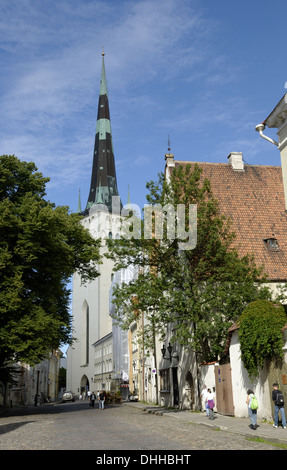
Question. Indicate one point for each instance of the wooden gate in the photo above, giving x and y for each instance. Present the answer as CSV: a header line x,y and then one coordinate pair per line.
x,y
223,388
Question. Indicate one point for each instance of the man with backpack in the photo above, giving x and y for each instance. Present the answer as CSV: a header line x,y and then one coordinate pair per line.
x,y
252,405
278,399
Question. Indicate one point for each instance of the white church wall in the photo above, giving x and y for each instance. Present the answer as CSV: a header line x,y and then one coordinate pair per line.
x,y
90,305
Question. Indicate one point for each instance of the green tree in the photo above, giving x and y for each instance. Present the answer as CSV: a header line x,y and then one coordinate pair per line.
x,y
201,291
62,377
41,246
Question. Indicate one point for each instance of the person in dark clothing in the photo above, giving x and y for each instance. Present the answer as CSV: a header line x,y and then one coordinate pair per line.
x,y
101,400
92,399
278,400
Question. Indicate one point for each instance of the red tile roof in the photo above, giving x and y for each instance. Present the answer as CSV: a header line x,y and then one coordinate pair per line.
x,y
254,200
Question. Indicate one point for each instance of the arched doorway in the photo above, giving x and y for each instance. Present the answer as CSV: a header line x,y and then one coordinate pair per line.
x,y
189,391
85,334
175,386
84,384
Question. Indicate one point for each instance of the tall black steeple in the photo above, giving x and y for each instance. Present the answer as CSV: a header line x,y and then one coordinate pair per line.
x,y
103,181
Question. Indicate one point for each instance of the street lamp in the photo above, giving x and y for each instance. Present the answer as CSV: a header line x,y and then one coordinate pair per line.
x,y
169,349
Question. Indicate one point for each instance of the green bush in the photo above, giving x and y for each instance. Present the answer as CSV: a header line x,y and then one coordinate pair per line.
x,y
260,334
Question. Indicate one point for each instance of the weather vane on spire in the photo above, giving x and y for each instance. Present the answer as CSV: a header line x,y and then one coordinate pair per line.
x,y
168,143
169,156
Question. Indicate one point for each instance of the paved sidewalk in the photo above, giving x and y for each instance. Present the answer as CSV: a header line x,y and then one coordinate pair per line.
x,y
264,430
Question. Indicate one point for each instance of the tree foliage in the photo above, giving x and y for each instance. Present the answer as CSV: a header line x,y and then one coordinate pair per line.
x,y
41,246
260,334
199,292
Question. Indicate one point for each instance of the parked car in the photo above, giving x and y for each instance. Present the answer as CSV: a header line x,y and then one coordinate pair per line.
x,y
68,396
134,398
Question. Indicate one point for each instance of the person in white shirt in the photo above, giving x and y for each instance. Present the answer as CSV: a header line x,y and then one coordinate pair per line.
x,y
210,402
204,402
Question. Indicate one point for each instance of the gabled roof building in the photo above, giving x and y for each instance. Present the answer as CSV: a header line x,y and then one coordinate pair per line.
x,y
253,197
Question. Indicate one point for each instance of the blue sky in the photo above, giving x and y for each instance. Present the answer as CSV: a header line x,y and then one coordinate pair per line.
x,y
204,72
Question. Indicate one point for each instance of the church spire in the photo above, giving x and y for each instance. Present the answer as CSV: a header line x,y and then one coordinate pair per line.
x,y
79,203
103,180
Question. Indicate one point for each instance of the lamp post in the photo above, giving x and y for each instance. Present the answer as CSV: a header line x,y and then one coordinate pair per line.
x,y
169,349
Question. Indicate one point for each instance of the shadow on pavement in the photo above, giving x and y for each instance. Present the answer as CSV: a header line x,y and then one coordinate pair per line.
x,y
5,428
51,408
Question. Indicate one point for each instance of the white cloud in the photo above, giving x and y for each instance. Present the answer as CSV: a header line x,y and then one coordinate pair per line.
x,y
50,57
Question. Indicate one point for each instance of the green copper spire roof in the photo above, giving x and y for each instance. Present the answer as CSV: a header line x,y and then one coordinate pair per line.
x,y
103,83
79,203
129,199
103,181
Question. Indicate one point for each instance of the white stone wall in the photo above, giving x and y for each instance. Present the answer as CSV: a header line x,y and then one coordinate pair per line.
x,y
241,383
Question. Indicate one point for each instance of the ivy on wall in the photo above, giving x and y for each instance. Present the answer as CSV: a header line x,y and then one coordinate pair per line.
x,y
260,334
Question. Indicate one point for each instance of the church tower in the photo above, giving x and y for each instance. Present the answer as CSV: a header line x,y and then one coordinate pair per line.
x,y
89,359
103,180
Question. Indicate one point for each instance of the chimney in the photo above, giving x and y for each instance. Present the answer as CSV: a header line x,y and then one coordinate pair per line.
x,y
169,158
169,162
236,160
278,120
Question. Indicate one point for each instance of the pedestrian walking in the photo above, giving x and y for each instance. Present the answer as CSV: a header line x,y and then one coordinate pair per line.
x,y
101,400
37,399
278,400
211,403
92,399
203,397
252,405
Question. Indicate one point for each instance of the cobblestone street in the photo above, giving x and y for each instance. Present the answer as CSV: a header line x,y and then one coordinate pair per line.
x,y
76,426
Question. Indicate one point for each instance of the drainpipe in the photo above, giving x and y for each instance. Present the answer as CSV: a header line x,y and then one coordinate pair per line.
x,y
260,128
278,120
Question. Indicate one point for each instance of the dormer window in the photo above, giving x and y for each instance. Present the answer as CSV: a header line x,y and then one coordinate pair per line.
x,y
271,244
